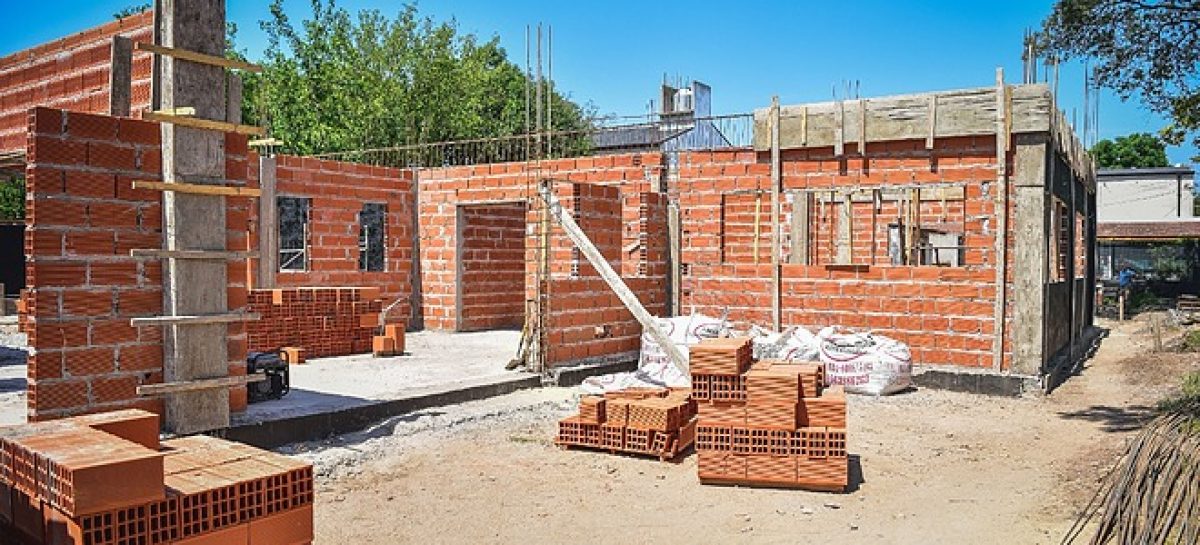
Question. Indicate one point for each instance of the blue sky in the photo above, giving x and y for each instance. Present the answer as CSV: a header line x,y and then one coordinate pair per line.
x,y
614,54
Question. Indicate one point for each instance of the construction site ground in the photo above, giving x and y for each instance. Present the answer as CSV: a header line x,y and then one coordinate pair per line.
x,y
927,466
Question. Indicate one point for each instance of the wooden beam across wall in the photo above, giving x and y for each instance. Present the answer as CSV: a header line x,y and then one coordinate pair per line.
x,y
206,124
200,58
965,112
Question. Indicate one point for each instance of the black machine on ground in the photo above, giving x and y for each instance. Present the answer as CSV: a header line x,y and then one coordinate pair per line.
x,y
276,384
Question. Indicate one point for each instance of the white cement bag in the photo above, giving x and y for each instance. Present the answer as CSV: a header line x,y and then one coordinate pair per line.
x,y
654,365
794,344
865,363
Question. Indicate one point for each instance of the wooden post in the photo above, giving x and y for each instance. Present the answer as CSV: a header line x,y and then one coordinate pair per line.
x,y
194,222
1001,214
776,235
674,228
120,77
610,277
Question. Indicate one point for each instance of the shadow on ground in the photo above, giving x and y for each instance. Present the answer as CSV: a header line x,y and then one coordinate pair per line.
x,y
1113,419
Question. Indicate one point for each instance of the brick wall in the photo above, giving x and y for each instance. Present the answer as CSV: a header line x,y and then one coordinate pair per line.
x,y
338,191
492,284
324,321
71,73
83,219
443,190
945,314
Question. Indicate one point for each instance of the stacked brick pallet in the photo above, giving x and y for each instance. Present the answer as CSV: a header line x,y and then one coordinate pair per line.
x,y
766,424
649,421
106,480
322,321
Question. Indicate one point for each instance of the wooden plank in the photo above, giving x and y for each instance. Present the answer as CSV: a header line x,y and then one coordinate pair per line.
x,y
199,319
197,189
182,111
205,124
932,122
197,385
610,277
1001,203
776,235
201,58
800,204
263,142
150,253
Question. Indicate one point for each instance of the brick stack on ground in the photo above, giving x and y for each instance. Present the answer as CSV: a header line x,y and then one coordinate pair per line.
x,y
322,321
767,424
648,421
391,343
105,479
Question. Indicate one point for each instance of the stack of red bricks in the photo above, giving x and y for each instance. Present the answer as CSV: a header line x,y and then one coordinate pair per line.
x,y
391,343
105,479
767,424
652,421
322,321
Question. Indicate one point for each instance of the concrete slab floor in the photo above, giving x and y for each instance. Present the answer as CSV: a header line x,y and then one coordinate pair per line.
x,y
433,358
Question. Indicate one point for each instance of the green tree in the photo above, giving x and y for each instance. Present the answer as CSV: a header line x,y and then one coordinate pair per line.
x,y
1150,48
341,83
132,10
12,198
1138,150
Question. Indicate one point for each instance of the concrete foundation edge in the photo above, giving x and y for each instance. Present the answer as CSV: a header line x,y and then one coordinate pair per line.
x,y
993,384
575,374
275,433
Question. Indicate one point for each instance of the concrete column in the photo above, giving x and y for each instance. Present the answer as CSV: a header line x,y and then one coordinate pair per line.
x,y
268,225
194,222
120,84
1029,251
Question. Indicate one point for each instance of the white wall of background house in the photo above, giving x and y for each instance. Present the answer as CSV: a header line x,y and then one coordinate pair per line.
x,y
1139,210
1144,194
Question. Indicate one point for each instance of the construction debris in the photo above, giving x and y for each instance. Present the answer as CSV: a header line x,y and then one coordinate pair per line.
x,y
650,421
106,479
391,343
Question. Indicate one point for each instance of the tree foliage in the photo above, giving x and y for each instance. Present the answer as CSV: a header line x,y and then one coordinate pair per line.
x,y
1138,150
132,10
339,83
1145,47
12,198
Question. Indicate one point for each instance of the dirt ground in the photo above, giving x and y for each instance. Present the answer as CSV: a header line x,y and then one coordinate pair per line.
x,y
931,467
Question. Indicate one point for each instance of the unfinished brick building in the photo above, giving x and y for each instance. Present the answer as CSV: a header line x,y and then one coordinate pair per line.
x,y
958,222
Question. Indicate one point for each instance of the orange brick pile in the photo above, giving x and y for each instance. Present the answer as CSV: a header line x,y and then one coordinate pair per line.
x,y
391,343
322,321
770,424
650,421
106,480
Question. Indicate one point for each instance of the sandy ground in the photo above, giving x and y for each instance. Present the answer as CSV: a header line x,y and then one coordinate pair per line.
x,y
930,467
